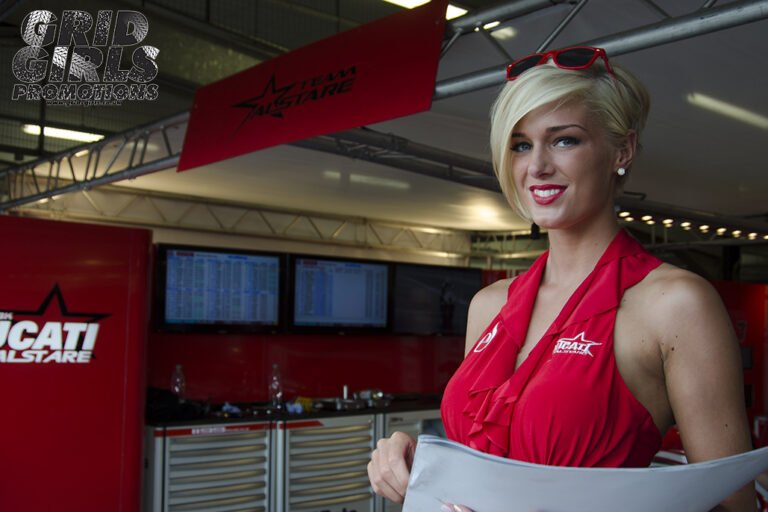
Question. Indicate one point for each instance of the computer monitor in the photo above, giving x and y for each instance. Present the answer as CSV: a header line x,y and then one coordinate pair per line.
x,y
212,289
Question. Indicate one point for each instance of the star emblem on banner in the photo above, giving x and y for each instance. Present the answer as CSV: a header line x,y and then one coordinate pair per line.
x,y
264,103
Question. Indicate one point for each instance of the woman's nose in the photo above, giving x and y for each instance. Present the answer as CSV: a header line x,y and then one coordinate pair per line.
x,y
539,163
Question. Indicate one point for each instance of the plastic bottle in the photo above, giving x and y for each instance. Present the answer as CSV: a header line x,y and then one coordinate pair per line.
x,y
179,383
276,388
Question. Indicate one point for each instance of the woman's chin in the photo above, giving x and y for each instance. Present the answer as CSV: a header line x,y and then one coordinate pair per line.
x,y
547,221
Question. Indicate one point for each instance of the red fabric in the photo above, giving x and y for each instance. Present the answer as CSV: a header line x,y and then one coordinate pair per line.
x,y
567,404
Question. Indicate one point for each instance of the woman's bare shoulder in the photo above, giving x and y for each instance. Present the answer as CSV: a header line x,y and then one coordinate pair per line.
x,y
673,299
492,296
485,305
668,285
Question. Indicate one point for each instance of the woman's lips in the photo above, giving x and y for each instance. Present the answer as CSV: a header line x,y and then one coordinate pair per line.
x,y
546,194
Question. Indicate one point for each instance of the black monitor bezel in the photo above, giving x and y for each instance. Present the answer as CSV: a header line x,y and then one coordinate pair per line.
x,y
336,328
160,289
398,267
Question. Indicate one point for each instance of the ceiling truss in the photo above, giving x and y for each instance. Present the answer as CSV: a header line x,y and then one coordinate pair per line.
x,y
123,205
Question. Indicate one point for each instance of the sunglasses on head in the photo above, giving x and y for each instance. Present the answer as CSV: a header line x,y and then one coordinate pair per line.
x,y
577,57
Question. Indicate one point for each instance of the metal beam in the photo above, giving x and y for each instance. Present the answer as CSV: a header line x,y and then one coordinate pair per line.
x,y
129,206
561,26
501,12
405,161
408,147
105,163
697,23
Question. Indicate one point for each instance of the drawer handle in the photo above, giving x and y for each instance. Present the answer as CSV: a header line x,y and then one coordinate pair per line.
x,y
331,501
331,442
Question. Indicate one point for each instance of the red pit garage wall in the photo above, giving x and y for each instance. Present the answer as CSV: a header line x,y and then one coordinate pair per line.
x,y
73,325
747,305
236,368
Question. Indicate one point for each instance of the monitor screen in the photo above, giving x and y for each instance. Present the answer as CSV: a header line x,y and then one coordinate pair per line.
x,y
219,288
340,293
432,300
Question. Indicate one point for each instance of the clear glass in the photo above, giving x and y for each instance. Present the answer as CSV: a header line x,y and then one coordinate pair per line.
x,y
179,383
276,388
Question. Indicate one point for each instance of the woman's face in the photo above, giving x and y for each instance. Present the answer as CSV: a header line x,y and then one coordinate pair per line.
x,y
563,166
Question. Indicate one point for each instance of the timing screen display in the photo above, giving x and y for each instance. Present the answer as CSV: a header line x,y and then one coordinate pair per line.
x,y
340,293
221,288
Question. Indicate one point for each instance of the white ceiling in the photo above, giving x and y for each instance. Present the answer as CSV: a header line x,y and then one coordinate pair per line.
x,y
691,158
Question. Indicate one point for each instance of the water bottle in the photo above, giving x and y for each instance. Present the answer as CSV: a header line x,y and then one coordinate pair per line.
x,y
276,388
179,383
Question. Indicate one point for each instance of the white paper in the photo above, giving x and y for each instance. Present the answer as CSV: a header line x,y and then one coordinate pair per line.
x,y
444,471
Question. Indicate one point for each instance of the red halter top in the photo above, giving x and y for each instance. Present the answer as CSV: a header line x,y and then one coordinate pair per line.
x,y
567,404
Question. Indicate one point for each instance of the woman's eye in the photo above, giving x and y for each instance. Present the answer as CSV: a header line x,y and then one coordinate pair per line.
x,y
520,146
564,142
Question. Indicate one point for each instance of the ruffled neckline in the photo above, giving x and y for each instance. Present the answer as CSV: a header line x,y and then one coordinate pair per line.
x,y
491,403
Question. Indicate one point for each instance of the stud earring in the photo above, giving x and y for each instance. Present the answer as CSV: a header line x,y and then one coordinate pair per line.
x,y
621,171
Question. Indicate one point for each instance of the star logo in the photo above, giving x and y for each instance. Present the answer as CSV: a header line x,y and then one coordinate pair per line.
x,y
266,103
52,309
578,345
63,311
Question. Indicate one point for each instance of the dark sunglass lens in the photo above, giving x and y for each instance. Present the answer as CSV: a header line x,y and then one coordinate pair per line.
x,y
575,57
523,65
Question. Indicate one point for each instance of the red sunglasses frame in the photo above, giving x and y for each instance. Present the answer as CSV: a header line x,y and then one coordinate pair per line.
x,y
545,56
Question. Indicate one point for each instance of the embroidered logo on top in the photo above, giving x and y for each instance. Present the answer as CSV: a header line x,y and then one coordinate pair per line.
x,y
486,340
576,345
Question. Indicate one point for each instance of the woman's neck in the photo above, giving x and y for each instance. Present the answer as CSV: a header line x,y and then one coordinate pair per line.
x,y
573,253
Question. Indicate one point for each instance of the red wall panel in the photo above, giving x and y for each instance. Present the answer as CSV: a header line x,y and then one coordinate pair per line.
x,y
237,368
747,305
72,431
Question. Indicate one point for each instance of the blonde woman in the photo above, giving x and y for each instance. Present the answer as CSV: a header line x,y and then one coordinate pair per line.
x,y
592,354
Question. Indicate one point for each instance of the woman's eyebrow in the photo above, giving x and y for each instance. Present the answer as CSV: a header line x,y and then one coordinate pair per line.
x,y
552,129
565,126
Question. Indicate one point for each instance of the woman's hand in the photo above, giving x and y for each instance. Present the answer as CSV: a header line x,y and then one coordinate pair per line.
x,y
390,466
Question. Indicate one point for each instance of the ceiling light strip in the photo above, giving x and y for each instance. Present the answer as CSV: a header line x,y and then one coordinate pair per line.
x,y
726,109
639,208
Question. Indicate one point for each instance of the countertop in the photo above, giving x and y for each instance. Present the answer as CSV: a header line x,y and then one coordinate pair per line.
x,y
192,413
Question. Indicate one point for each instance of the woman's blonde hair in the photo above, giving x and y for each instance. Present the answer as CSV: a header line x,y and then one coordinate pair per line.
x,y
620,102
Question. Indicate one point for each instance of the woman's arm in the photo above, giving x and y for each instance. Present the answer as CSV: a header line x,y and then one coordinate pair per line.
x,y
390,465
703,373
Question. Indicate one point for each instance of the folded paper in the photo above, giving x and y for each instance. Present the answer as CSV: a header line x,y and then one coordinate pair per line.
x,y
447,472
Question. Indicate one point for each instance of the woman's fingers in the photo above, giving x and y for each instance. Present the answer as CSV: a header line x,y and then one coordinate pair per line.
x,y
381,486
399,457
390,466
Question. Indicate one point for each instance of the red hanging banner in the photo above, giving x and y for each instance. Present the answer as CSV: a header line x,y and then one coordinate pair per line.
x,y
378,71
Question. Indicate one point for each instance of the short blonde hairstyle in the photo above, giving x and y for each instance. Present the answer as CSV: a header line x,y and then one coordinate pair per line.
x,y
621,104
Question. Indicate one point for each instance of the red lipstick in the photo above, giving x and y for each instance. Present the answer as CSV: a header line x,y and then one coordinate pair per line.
x,y
546,194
